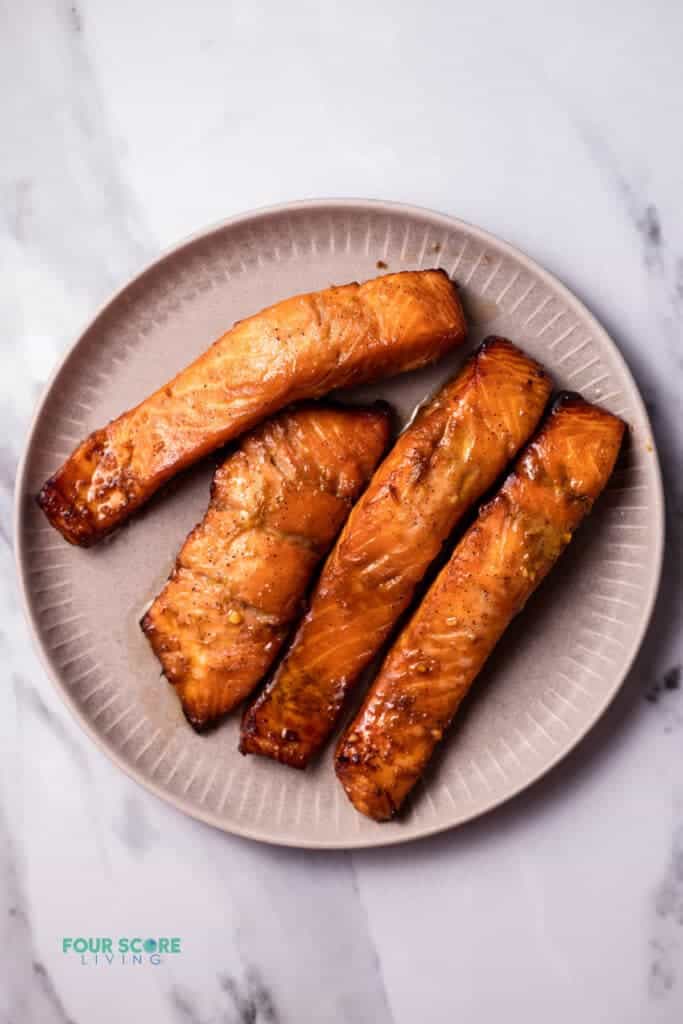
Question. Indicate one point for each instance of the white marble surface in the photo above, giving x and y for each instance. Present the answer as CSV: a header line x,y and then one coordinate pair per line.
x,y
128,125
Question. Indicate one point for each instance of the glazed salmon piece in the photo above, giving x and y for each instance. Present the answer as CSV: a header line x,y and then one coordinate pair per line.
x,y
500,561
455,449
301,348
276,506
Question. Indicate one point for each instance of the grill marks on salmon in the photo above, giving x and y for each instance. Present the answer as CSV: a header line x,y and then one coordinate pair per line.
x,y
300,348
455,449
276,506
495,568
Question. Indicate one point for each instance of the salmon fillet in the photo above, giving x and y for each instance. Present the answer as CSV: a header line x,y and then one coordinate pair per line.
x,y
301,348
457,446
276,506
495,568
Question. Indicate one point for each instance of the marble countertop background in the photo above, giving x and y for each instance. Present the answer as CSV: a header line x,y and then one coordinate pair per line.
x,y
128,125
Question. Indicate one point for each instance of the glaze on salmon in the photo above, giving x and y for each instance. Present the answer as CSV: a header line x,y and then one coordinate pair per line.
x,y
276,506
301,348
500,561
455,449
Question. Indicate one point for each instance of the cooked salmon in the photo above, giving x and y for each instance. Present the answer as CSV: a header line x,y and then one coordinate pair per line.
x,y
276,506
457,446
500,561
301,348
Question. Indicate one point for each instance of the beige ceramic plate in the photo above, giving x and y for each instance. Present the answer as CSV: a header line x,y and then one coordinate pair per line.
x,y
555,671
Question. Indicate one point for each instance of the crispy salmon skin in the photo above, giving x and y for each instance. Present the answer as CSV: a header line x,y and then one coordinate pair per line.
x,y
301,348
456,447
495,568
277,504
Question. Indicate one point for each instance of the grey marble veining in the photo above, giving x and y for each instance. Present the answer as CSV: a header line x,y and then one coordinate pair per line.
x,y
126,126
